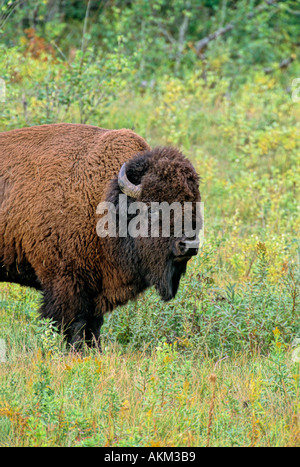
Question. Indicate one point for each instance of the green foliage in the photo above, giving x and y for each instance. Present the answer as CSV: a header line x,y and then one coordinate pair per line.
x,y
53,90
210,319
161,35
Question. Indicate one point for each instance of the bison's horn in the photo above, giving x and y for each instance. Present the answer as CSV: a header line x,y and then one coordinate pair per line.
x,y
126,186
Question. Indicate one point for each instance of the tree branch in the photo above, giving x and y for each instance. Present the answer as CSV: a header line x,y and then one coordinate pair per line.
x,y
201,45
282,65
181,39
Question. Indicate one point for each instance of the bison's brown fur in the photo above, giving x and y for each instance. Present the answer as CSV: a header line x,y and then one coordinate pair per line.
x,y
52,178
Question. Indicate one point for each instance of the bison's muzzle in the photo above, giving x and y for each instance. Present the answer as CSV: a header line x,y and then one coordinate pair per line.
x,y
184,249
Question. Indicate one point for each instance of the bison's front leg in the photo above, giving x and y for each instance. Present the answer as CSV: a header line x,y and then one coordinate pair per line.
x,y
73,311
75,333
93,327
85,330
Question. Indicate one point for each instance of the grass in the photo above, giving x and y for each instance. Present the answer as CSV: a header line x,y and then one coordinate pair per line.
x,y
135,399
214,383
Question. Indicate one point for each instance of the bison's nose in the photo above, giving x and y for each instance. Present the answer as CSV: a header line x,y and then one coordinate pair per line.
x,y
184,248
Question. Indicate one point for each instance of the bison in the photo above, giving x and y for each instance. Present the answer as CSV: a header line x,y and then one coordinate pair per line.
x,y
52,178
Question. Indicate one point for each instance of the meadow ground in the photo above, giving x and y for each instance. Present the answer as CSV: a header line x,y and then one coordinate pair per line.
x,y
171,396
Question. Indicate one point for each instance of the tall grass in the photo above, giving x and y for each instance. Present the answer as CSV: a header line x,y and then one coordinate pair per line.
x,y
165,398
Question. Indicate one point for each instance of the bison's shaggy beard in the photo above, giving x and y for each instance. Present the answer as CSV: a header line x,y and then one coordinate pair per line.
x,y
168,285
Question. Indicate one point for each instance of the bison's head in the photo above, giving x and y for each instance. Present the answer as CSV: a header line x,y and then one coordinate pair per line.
x,y
162,192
